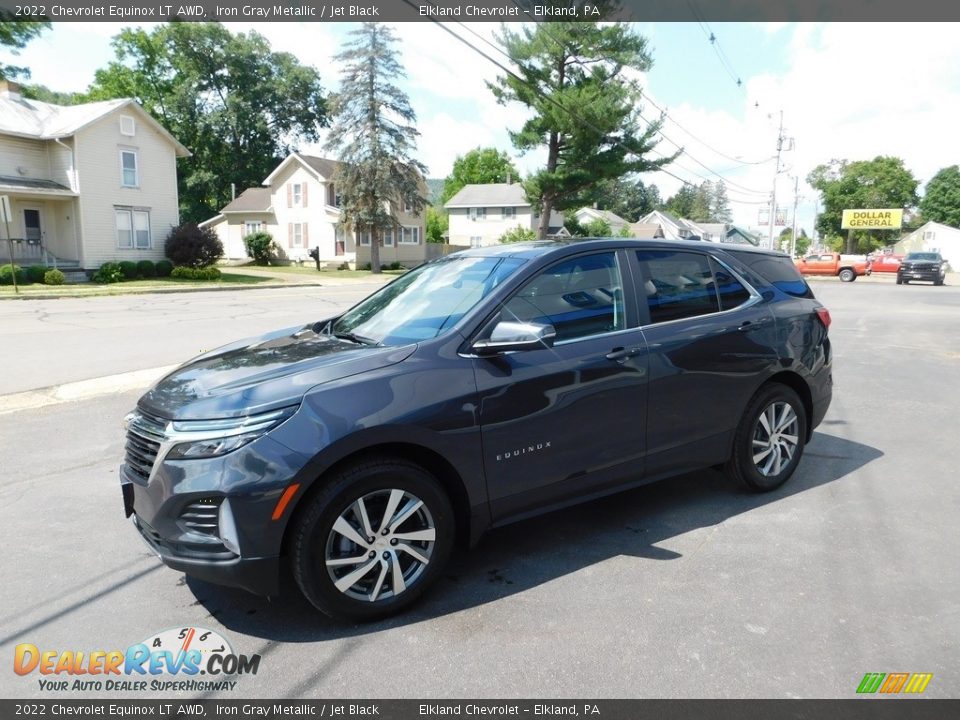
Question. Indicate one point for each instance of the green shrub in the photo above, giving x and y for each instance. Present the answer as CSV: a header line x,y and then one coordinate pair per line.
x,y
395,266
53,277
129,269
109,272
367,266
518,234
193,246
146,269
344,266
189,273
164,268
261,247
8,272
35,273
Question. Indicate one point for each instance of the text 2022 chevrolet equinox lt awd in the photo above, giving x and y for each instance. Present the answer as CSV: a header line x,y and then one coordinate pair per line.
x,y
474,390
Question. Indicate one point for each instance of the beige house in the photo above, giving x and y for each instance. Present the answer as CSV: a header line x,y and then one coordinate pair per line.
x,y
933,237
299,206
87,183
587,215
480,214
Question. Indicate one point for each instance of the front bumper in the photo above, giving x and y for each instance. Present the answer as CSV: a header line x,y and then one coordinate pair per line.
x,y
212,518
927,274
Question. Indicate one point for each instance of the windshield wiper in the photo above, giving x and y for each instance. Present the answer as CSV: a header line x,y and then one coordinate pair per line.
x,y
353,337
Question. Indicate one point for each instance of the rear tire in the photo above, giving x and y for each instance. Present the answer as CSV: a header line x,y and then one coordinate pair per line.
x,y
847,275
388,516
769,441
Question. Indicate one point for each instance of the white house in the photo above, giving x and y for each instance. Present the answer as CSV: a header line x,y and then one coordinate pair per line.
x,y
933,237
480,214
299,206
587,215
87,183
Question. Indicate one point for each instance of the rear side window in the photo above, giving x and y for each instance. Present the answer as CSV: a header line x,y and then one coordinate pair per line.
x,y
731,291
677,284
778,271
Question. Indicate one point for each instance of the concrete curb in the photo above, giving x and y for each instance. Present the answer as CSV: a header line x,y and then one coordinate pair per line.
x,y
81,390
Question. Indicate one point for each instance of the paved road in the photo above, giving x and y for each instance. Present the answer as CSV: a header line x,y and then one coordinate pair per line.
x,y
50,342
687,588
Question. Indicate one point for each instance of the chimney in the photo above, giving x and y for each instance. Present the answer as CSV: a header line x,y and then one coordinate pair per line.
x,y
10,89
509,178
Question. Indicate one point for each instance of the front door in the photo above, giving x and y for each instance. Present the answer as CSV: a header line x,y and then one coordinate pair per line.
x,y
558,422
31,226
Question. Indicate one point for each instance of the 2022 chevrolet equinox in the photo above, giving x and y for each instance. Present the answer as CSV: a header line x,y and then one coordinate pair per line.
x,y
472,391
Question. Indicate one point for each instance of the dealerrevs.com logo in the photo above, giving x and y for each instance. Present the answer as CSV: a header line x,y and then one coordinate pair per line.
x,y
189,659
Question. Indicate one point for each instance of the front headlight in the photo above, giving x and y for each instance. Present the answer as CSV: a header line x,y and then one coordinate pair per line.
x,y
210,438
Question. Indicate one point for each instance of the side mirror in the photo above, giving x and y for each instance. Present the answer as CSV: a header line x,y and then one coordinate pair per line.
x,y
511,336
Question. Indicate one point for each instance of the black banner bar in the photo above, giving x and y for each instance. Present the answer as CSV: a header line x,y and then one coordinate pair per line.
x,y
856,709
481,10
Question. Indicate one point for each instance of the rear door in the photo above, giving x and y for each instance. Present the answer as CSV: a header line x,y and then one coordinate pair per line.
x,y
710,341
559,422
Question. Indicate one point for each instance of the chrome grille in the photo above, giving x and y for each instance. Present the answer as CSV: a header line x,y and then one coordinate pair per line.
x,y
144,435
202,517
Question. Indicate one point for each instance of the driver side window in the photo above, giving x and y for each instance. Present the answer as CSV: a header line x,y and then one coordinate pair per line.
x,y
579,297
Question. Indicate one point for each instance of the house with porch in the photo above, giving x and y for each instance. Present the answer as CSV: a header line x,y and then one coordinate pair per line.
x,y
300,207
87,183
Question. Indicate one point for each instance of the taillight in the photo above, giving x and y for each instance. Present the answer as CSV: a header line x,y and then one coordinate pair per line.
x,y
824,316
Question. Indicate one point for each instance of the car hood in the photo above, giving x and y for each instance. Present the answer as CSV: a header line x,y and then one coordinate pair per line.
x,y
263,373
921,263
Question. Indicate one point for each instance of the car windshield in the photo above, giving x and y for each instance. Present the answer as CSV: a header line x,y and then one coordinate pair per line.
x,y
426,301
922,256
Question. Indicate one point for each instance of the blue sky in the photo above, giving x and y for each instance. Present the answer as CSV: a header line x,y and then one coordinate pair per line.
x,y
843,95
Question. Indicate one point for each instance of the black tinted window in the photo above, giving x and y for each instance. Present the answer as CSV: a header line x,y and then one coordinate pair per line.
x,y
580,297
731,291
778,271
677,284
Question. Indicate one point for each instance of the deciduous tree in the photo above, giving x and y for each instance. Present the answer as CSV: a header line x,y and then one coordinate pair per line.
x,y
479,166
14,36
941,200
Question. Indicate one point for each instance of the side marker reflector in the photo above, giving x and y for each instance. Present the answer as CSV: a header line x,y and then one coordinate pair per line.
x,y
284,501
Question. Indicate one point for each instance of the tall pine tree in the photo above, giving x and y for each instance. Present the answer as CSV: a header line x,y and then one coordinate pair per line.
x,y
373,135
584,110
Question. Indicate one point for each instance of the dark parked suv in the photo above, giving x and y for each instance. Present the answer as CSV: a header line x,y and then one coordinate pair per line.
x,y
473,391
927,266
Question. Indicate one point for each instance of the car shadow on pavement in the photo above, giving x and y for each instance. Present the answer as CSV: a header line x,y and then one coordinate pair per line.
x,y
524,555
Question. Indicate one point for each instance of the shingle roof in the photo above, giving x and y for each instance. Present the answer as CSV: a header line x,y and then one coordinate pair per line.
x,y
322,165
611,217
254,199
489,195
20,183
45,121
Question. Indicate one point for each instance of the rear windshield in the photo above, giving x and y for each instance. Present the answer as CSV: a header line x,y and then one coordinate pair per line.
x,y
778,271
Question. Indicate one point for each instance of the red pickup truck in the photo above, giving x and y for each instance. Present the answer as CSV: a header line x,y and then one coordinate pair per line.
x,y
884,263
845,267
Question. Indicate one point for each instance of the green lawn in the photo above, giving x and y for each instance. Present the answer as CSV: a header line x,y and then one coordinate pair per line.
x,y
129,286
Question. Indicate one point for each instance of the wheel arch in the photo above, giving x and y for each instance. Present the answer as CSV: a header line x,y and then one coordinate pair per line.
x,y
430,460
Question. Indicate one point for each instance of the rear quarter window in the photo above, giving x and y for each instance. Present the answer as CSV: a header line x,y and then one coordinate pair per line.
x,y
778,271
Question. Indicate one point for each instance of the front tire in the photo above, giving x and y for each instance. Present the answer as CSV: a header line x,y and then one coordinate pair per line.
x,y
847,275
373,540
769,441
899,281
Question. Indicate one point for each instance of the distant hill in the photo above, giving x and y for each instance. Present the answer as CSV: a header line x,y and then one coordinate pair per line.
x,y
435,186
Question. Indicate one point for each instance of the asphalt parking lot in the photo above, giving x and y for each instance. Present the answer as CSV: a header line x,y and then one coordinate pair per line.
x,y
687,588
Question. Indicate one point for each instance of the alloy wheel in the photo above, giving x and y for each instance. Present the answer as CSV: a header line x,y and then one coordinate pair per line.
x,y
380,545
775,438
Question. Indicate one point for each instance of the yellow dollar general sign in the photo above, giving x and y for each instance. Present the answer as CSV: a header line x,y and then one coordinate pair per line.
x,y
892,683
891,219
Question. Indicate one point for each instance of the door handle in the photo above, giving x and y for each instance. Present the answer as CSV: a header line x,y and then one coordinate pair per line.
x,y
751,325
619,354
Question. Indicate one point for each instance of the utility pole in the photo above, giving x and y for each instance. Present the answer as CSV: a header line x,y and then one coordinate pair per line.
x,y
796,200
773,193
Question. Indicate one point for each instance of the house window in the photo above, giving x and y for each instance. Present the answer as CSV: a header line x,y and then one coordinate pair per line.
x,y
478,213
410,236
388,237
296,234
133,229
929,234
297,194
129,171
365,237
127,126
475,241
508,213
407,208
252,226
